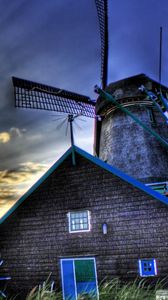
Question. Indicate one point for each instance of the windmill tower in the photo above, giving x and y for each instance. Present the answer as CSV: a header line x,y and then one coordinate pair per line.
x,y
123,141
132,134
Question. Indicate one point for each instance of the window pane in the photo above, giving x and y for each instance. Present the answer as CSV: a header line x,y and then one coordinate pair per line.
x,y
79,220
77,227
85,226
84,270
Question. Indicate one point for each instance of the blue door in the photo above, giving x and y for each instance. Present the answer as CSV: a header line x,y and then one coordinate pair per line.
x,y
79,277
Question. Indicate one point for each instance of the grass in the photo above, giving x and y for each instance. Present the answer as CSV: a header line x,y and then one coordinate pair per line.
x,y
113,290
43,293
136,290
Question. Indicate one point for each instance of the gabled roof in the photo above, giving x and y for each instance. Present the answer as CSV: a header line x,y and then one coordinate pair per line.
x,y
97,162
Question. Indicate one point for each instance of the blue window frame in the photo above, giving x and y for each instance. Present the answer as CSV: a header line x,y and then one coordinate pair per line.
x,y
147,267
79,276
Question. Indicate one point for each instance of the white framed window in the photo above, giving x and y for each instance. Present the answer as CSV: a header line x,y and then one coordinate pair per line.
x,y
79,221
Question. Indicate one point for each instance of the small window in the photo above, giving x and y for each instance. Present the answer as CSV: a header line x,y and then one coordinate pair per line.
x,y
79,221
160,187
147,267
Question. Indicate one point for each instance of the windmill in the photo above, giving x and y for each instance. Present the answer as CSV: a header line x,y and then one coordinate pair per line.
x,y
34,95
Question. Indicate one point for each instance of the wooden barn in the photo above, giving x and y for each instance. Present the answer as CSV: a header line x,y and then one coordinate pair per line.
x,y
84,221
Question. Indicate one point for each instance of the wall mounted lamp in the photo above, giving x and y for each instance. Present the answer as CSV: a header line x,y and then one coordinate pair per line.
x,y
104,228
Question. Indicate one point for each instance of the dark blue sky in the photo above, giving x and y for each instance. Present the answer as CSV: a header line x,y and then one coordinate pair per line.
x,y
57,42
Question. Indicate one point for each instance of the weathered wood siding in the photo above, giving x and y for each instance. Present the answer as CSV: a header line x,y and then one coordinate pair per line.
x,y
35,236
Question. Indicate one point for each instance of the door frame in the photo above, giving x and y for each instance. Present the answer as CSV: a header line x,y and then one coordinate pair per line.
x,y
73,259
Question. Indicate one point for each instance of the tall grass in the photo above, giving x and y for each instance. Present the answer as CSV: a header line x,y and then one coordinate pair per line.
x,y
44,292
136,290
113,290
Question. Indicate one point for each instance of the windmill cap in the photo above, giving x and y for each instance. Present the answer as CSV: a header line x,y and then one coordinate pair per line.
x,y
128,90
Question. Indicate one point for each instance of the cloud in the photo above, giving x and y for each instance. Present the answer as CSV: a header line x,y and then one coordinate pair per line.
x,y
14,183
4,137
22,174
16,132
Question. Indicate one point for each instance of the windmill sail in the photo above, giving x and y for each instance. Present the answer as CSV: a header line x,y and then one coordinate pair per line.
x,y
102,11
34,95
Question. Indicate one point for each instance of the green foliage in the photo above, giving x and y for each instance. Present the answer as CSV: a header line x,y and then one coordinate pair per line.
x,y
43,293
137,290
113,290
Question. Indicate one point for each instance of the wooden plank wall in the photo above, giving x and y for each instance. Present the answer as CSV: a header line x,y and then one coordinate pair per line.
x,y
35,236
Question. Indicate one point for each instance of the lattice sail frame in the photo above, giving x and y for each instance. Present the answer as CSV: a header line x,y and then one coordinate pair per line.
x,y
29,94
34,95
102,11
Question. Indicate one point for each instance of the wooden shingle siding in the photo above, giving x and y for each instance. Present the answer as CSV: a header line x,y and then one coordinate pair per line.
x,y
36,236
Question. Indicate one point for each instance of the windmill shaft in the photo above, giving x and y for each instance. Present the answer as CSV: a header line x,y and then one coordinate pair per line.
x,y
70,120
71,132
